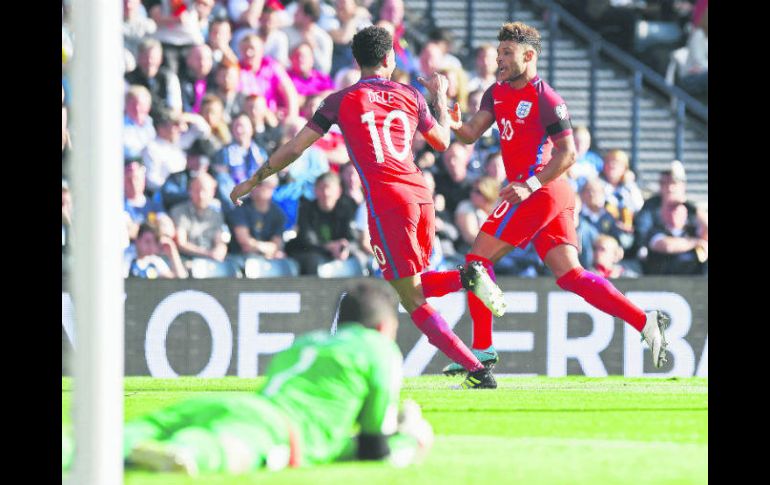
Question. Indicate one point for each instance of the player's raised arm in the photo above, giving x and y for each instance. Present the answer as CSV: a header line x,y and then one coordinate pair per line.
x,y
281,158
472,130
439,135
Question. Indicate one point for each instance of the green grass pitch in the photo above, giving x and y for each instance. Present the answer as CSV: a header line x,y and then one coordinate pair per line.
x,y
531,430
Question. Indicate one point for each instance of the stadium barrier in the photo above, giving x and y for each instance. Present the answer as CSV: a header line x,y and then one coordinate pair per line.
x,y
214,328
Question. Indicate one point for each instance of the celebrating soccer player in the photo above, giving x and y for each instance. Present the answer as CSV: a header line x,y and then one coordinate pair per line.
x,y
538,205
378,119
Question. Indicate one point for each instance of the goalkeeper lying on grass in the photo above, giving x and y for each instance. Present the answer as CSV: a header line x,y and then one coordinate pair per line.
x,y
318,394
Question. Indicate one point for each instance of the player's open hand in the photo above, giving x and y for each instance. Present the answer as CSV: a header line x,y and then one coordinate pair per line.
x,y
437,84
515,192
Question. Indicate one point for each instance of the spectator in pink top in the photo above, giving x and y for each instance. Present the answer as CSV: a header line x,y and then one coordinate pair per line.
x,y
264,76
308,81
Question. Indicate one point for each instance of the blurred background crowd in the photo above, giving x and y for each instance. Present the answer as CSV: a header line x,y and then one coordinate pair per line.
x,y
212,87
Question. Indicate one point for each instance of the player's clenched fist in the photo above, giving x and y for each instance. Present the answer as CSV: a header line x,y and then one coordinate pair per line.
x,y
515,192
438,83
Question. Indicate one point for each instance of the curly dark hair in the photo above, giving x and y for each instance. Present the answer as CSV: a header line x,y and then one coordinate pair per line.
x,y
520,33
371,45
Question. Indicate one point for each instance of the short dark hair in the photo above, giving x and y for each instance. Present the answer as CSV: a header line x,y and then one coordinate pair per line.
x,y
145,227
371,45
311,8
520,33
368,302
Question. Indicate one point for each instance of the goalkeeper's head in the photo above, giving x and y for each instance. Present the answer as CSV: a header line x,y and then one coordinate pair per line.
x,y
373,304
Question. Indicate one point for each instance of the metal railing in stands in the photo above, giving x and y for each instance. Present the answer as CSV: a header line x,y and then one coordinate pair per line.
x,y
558,16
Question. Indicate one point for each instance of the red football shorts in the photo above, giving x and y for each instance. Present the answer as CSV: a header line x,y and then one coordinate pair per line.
x,y
402,239
547,218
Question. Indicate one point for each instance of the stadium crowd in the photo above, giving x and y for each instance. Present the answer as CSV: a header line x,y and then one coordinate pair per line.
x,y
212,87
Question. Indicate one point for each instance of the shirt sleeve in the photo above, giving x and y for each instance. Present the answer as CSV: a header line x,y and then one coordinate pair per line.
x,y
425,120
326,115
554,115
487,101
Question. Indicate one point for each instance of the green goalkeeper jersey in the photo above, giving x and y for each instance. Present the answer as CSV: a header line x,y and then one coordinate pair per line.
x,y
331,386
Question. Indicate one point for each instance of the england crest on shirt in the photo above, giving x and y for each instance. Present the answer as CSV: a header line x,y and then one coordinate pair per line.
x,y
522,110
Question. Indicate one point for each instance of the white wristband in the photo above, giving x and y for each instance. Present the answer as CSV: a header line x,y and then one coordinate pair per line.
x,y
533,183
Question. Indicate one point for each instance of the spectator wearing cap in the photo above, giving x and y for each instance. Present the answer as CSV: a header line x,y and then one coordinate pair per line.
x,y
306,29
266,77
676,246
276,41
199,221
258,223
194,77
308,81
178,29
267,131
149,263
162,83
607,259
164,154
138,126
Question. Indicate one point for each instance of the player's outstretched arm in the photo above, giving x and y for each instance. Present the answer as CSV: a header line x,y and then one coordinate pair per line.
x,y
472,130
281,158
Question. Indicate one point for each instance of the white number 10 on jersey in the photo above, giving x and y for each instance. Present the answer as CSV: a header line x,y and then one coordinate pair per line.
x,y
368,118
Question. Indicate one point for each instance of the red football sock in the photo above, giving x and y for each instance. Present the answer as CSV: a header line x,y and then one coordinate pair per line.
x,y
439,334
480,314
603,295
440,283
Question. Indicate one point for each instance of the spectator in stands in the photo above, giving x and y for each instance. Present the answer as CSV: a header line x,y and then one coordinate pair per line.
x,y
136,26
431,60
588,164
174,189
452,181
276,41
485,74
264,76
673,188
306,29
237,161
595,213
213,111
199,221
194,78
226,81
307,80
457,91
138,126
161,81
445,40
351,18
164,155
607,256
446,231
148,263
267,131
324,229
137,205
347,76
624,198
586,234
258,223
178,29
206,13
219,37
676,247
495,168
472,212
695,78
351,184
391,17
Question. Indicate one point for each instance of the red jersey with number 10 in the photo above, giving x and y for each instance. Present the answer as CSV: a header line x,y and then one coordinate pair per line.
x,y
378,119
529,120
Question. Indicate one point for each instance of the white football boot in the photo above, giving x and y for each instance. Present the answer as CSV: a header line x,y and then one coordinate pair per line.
x,y
475,278
652,333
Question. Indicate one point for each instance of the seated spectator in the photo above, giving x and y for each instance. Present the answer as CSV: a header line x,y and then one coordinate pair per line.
x,y
225,87
624,198
149,263
308,81
162,83
446,232
586,235
485,74
347,76
495,168
138,126
178,29
673,188
607,256
258,223
164,155
595,213
212,109
445,40
431,60
391,17
199,221
137,205
267,130
269,30
324,229
351,184
237,161
174,189
695,76
452,182
194,77
219,36
264,76
306,29
471,213
136,27
588,164
206,14
676,247
351,18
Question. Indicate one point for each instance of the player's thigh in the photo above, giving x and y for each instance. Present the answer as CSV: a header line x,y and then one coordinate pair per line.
x,y
402,238
515,224
557,244
490,247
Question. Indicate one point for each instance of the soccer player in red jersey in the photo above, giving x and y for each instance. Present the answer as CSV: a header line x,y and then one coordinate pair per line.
x,y
378,119
538,205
